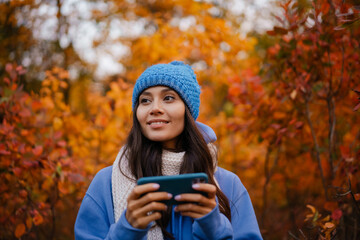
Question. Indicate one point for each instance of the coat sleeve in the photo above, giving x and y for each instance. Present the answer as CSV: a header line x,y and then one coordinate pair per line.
x,y
243,218
95,219
91,223
243,225
213,225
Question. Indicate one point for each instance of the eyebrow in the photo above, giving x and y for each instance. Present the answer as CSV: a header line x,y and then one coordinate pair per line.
x,y
167,89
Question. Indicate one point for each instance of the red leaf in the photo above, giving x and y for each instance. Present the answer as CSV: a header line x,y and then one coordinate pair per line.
x,y
22,149
23,193
345,151
25,113
17,171
279,19
271,33
8,67
58,134
61,143
356,107
7,80
6,128
4,152
336,214
275,126
299,125
37,151
20,70
280,30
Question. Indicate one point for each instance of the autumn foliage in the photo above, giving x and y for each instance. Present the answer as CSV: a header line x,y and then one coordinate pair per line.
x,y
284,105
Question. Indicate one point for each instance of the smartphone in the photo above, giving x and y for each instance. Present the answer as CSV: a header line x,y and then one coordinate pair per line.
x,y
176,184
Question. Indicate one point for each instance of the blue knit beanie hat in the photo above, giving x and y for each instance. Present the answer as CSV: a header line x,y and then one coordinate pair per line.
x,y
176,75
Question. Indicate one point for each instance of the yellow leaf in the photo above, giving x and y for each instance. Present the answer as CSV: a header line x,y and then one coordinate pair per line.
x,y
57,123
327,218
313,210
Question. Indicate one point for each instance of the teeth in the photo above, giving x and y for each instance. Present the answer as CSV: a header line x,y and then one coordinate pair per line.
x,y
157,123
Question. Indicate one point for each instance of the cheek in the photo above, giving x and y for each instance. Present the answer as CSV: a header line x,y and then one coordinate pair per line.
x,y
181,118
140,116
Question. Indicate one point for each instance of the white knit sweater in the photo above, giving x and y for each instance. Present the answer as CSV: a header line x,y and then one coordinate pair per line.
x,y
122,185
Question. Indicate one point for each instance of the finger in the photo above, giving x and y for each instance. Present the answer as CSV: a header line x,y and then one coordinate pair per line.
x,y
197,198
194,208
154,197
151,207
142,189
210,189
143,222
146,199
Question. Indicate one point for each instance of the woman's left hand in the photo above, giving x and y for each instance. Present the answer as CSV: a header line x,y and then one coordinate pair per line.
x,y
199,205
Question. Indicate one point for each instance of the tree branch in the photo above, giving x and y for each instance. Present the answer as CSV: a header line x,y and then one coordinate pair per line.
x,y
316,145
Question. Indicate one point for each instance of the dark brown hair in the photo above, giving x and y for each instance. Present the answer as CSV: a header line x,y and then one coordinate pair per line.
x,y
144,157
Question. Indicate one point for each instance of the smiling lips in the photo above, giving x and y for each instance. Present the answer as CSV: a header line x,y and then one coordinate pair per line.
x,y
157,123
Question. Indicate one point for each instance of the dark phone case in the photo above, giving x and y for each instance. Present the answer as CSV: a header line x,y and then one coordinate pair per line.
x,y
176,184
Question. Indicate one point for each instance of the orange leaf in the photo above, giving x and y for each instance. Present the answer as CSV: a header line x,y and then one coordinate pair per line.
x,y
63,84
357,196
36,105
29,222
20,230
38,219
279,115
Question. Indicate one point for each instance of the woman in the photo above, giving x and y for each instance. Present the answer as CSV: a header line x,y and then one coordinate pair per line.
x,y
166,140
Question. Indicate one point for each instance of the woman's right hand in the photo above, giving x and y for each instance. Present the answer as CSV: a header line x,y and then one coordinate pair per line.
x,y
143,205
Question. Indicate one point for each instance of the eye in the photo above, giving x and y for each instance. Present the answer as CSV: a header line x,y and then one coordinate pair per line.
x,y
144,100
169,98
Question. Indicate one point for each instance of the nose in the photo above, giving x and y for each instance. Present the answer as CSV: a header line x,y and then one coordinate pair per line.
x,y
156,107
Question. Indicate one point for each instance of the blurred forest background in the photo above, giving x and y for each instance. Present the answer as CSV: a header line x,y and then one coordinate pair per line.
x,y
280,87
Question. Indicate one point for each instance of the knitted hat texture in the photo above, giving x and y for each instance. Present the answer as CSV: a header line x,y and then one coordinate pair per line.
x,y
176,75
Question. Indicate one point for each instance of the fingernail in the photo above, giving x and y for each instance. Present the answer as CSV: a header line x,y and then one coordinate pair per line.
x,y
169,195
178,197
175,209
156,185
196,186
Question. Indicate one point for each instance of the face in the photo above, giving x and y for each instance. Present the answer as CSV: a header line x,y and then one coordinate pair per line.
x,y
161,114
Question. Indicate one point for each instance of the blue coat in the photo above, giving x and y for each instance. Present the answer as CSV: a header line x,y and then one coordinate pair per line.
x,y
95,219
